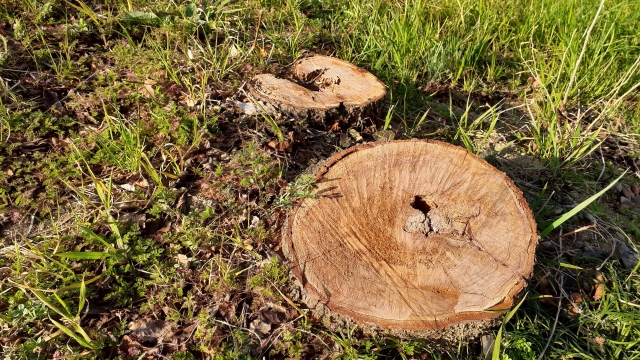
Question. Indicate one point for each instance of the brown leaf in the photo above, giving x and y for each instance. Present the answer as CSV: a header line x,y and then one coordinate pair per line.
x,y
259,327
625,190
142,183
227,310
165,228
272,314
626,203
51,99
598,286
147,330
146,90
627,256
182,260
597,342
384,135
576,297
335,128
285,146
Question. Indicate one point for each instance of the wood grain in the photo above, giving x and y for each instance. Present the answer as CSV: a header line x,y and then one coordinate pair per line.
x,y
416,235
321,88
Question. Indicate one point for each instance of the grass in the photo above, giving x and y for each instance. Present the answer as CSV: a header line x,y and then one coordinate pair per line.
x,y
132,190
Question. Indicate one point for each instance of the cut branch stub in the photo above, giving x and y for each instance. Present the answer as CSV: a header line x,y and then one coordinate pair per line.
x,y
323,88
414,235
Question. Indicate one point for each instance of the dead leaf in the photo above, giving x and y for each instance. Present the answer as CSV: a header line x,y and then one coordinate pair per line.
x,y
487,342
142,183
626,203
227,310
354,134
146,90
272,314
285,146
165,228
263,52
259,327
128,187
384,135
345,141
576,297
233,51
334,128
147,330
597,342
598,286
627,256
182,260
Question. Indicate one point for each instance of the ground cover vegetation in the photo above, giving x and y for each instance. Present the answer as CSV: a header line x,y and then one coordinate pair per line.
x,y
140,207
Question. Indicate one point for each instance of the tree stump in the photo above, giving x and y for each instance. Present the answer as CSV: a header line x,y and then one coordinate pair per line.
x,y
413,236
321,89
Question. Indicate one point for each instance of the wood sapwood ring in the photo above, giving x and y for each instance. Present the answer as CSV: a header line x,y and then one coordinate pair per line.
x,y
416,235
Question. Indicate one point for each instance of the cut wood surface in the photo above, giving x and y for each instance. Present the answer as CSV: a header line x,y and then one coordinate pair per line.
x,y
415,235
321,88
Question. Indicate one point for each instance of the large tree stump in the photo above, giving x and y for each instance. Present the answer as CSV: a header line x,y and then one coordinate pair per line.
x,y
413,235
321,89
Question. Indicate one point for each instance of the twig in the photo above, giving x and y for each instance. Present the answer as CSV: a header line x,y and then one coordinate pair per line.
x,y
587,227
255,36
604,165
555,322
238,327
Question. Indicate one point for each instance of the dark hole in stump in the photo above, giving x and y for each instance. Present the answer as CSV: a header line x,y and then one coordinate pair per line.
x,y
419,203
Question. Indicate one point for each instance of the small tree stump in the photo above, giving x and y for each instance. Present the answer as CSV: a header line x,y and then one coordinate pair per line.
x,y
321,89
412,235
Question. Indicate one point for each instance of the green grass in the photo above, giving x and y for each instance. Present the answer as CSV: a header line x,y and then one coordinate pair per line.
x,y
130,188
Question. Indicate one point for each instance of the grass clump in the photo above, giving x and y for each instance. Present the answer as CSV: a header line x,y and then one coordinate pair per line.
x,y
133,192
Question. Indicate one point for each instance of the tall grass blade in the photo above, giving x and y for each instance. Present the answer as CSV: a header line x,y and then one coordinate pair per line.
x,y
496,344
578,208
73,335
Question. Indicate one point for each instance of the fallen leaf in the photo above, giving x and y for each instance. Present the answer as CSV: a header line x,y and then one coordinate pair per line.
x,y
627,256
272,314
263,52
146,90
253,109
597,342
487,342
128,187
598,286
227,310
142,183
259,327
233,51
355,135
334,128
344,140
384,135
285,146
147,330
182,260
